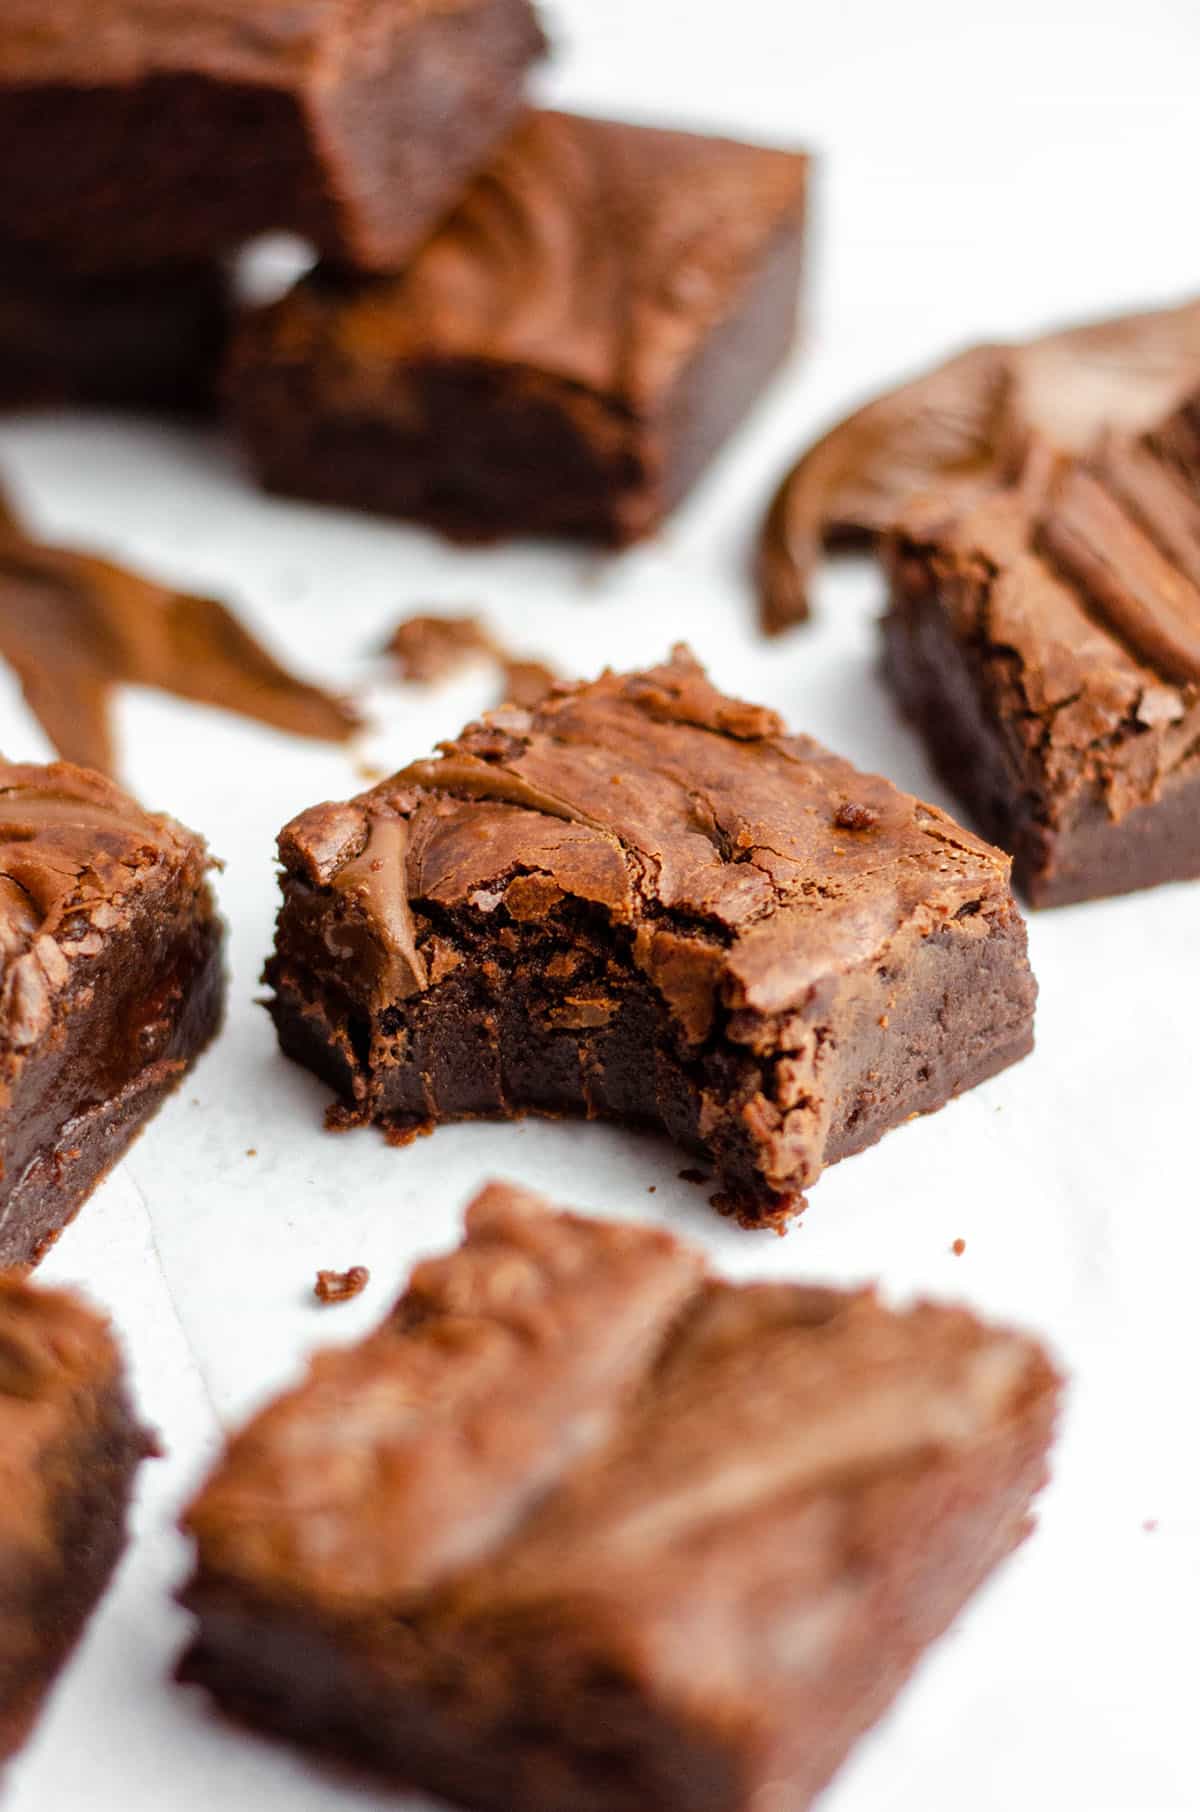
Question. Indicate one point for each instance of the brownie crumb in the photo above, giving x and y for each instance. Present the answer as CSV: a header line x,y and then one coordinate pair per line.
x,y
341,1286
853,817
959,1247
252,1151
692,1175
526,683
429,649
653,1189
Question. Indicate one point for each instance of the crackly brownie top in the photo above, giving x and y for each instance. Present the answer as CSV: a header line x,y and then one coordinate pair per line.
x,y
75,854
568,1409
1083,583
963,429
742,863
270,41
598,252
58,1361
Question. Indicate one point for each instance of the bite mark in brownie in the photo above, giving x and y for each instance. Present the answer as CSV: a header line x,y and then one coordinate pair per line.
x,y
71,1444
641,900
151,132
562,357
583,1529
1046,642
111,984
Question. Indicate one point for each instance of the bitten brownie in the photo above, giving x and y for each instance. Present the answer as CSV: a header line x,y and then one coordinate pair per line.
x,y
1046,642
110,984
646,901
157,131
564,355
151,339
583,1529
70,1445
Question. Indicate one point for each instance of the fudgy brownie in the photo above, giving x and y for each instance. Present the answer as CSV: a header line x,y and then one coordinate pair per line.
x,y
644,900
71,1445
1046,642
562,357
110,985
158,131
150,339
583,1529
963,429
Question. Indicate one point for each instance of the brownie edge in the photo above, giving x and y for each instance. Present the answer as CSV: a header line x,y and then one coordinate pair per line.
x,y
640,1537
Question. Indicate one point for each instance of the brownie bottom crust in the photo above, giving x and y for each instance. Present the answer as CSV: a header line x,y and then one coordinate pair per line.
x,y
1085,853
96,1473
78,1115
535,1025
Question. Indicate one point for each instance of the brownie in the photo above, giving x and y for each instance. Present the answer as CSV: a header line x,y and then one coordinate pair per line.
x,y
152,132
110,985
645,901
1046,643
148,339
963,429
71,1443
582,1529
563,357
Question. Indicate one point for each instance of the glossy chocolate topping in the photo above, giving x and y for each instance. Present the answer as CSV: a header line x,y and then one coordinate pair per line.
x,y
965,429
74,853
729,848
73,626
596,252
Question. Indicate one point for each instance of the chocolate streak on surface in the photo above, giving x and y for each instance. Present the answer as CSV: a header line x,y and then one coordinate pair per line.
x,y
962,430
73,627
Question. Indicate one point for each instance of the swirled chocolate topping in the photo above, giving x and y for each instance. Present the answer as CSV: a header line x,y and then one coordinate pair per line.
x,y
73,627
964,430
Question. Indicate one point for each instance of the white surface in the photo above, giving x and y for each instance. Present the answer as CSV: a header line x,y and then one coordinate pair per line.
x,y
984,172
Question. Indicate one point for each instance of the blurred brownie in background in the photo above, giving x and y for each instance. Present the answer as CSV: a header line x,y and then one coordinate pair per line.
x,y
563,357
70,1444
145,132
152,339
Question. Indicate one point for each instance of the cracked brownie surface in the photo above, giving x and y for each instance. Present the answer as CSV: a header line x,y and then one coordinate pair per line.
x,y
1046,640
582,1528
645,900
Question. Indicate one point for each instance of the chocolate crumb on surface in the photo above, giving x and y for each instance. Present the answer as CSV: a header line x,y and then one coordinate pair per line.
x,y
341,1286
853,817
692,1175
526,682
428,649
959,1247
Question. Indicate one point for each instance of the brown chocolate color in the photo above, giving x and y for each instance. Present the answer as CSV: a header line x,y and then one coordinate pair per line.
x,y
110,985
1046,643
639,900
563,357
150,339
153,132
71,1444
583,1529
341,1286
428,649
73,627
964,429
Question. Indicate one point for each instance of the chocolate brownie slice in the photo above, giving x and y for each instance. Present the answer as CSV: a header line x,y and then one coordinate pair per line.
x,y
583,1529
110,985
71,1444
153,132
646,901
562,357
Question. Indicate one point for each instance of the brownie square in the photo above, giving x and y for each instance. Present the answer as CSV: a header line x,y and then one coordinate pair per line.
x,y
110,985
563,357
1046,643
142,339
71,1445
144,132
583,1529
645,901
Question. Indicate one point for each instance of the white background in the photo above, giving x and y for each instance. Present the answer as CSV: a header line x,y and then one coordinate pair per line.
x,y
984,171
